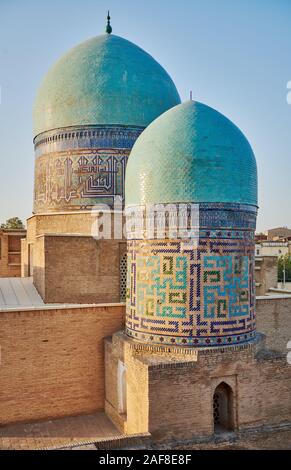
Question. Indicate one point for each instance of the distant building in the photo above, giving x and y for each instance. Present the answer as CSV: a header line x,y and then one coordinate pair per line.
x,y
266,273
278,233
272,248
10,252
259,237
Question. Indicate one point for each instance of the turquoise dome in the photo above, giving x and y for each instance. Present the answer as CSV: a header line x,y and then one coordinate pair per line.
x,y
191,153
105,80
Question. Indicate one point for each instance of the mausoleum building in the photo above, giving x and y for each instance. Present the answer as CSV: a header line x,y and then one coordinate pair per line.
x,y
90,108
157,327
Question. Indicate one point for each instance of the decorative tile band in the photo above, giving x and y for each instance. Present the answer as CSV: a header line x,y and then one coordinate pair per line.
x,y
184,295
204,220
86,137
211,342
77,168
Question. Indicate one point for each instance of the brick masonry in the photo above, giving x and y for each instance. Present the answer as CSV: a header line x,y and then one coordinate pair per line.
x,y
266,273
53,365
52,361
10,256
92,273
172,398
274,320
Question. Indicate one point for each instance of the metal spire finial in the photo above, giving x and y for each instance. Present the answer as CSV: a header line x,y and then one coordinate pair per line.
x,y
191,96
108,27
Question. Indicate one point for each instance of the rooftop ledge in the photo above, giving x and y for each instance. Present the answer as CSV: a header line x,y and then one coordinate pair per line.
x,y
76,212
24,308
273,297
19,294
56,307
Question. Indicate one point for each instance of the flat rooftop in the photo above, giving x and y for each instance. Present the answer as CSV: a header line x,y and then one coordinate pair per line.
x,y
19,293
85,431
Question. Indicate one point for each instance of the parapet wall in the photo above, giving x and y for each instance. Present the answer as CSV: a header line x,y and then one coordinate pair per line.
x,y
52,365
52,361
172,397
274,320
77,269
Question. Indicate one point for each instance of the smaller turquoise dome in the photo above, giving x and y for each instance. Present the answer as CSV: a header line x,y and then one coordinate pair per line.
x,y
106,80
191,153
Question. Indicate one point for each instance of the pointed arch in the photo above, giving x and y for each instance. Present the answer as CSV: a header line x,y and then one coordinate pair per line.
x,y
223,408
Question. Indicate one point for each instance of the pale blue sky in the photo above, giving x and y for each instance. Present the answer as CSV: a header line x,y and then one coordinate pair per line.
x,y
234,54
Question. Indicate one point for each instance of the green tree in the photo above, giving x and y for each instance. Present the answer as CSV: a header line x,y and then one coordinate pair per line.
x,y
13,223
284,262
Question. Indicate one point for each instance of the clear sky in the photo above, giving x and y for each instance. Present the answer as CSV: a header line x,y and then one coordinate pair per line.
x,y
234,54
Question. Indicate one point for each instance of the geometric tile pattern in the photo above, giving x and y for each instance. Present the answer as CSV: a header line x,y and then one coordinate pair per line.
x,y
76,170
191,296
122,277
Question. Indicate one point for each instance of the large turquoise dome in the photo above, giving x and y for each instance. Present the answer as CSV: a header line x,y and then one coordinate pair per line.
x,y
191,153
106,80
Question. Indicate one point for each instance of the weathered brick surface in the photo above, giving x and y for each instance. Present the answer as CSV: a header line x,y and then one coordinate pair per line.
x,y
39,268
63,223
111,401
24,258
266,273
52,361
274,320
136,418
69,265
138,403
77,269
173,399
10,257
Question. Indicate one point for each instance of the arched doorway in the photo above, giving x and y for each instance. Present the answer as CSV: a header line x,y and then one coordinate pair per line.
x,y
223,415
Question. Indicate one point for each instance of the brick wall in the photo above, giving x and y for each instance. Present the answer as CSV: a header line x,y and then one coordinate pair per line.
x,y
182,392
111,384
181,398
136,418
39,274
62,223
92,273
10,256
24,258
266,273
138,399
279,232
77,269
52,361
274,320
179,401
172,397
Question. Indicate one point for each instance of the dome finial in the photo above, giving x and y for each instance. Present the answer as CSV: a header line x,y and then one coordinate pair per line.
x,y
108,27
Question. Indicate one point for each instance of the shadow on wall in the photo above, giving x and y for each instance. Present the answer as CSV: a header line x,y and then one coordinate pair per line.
x,y
223,408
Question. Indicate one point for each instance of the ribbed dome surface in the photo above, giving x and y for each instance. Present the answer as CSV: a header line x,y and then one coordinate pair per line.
x,y
192,153
105,80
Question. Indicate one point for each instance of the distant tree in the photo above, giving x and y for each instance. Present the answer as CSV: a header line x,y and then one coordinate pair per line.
x,y
284,262
12,224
